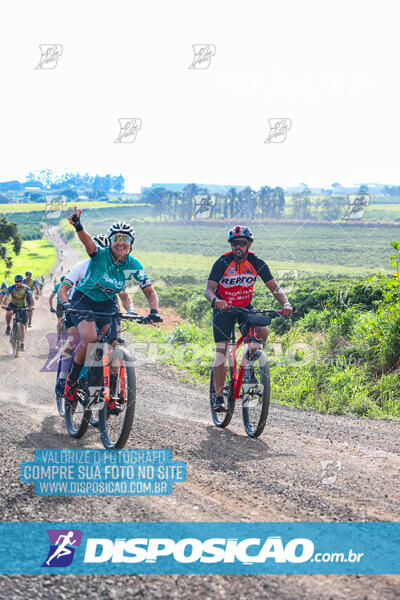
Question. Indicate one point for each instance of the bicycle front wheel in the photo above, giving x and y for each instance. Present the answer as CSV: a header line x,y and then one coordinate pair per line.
x,y
222,419
256,390
16,338
115,424
77,417
60,397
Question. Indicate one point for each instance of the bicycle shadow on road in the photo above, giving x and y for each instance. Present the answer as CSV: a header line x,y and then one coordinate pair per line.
x,y
224,446
50,436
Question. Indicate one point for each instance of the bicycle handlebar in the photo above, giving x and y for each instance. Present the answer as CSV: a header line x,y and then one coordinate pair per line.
x,y
98,315
271,312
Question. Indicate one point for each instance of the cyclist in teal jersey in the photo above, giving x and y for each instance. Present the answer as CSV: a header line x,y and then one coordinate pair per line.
x,y
59,309
107,274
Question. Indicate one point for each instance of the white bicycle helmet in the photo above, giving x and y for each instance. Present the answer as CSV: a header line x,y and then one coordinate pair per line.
x,y
101,240
121,227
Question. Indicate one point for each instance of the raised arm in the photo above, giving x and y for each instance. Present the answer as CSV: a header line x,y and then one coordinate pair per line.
x,y
84,236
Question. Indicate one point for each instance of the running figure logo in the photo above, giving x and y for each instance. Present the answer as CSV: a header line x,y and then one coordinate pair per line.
x,y
203,206
50,55
55,204
203,54
128,129
357,205
278,129
62,547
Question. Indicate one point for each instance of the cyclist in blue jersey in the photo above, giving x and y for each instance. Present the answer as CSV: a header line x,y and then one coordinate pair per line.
x,y
107,274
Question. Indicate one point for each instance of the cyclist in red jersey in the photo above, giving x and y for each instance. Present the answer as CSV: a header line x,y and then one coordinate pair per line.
x,y
230,284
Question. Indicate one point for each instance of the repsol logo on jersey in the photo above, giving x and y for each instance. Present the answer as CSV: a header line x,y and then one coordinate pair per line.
x,y
190,550
241,279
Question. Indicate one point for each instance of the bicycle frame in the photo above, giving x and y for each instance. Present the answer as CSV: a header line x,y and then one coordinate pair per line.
x,y
110,338
239,375
250,336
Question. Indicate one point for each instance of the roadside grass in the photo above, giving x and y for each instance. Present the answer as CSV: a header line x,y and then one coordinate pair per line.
x,y
39,256
324,384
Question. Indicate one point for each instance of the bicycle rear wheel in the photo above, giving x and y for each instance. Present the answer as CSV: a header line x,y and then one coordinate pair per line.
x,y
256,397
115,426
77,416
222,419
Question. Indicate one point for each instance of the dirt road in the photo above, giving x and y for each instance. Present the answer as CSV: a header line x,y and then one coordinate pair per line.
x,y
280,477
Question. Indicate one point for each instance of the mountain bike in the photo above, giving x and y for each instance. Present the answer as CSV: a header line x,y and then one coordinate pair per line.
x,y
251,383
16,330
116,406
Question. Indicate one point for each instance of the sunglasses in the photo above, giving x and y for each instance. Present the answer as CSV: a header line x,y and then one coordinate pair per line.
x,y
241,243
120,237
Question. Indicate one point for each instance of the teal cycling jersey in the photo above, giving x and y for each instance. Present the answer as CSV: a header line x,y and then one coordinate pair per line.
x,y
55,292
104,277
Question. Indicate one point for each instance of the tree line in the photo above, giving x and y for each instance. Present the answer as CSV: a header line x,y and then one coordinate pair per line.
x,y
265,203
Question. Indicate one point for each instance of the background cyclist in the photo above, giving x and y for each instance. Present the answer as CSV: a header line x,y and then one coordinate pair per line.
x,y
20,296
33,285
231,282
3,288
107,274
59,308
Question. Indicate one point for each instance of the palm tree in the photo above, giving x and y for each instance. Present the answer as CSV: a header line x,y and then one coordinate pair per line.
x,y
263,193
189,191
280,201
232,195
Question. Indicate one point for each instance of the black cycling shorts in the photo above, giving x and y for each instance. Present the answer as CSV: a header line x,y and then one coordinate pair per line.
x,y
224,321
68,321
81,301
23,313
59,310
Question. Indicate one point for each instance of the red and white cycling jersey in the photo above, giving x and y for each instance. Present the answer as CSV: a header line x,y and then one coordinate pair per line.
x,y
236,279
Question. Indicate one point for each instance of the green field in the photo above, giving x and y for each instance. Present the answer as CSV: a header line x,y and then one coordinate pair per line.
x,y
311,249
39,256
358,248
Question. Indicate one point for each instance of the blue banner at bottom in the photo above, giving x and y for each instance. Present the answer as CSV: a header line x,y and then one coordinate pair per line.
x,y
200,548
